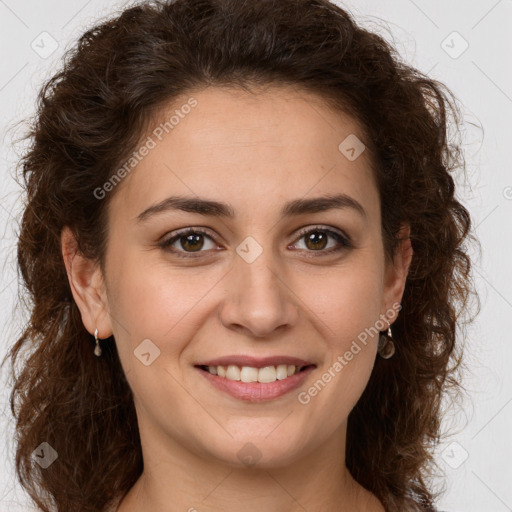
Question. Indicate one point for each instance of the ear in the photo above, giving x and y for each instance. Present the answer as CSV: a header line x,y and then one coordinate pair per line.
x,y
87,285
397,270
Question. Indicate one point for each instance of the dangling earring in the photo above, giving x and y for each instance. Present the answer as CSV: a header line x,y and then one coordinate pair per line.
x,y
386,347
97,348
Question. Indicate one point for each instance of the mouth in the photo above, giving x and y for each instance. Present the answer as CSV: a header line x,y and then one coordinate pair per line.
x,y
260,381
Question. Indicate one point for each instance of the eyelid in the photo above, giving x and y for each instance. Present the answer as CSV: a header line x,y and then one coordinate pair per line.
x,y
341,237
167,241
321,227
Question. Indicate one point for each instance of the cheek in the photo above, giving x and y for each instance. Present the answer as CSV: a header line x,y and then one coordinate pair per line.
x,y
347,307
347,300
158,303
152,298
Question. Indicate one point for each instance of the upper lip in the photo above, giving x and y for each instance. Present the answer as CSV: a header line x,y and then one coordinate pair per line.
x,y
255,362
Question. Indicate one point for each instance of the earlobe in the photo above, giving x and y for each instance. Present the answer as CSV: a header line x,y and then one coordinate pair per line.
x,y
87,286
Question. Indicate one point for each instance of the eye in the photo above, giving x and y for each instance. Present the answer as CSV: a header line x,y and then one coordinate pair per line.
x,y
317,239
190,240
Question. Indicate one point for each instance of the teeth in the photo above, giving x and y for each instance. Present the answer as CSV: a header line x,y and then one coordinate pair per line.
x,y
233,372
267,374
249,374
282,371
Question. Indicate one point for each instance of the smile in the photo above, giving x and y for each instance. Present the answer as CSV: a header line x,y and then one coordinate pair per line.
x,y
256,384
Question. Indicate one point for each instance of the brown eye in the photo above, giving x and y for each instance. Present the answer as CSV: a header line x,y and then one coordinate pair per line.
x,y
193,242
323,241
316,240
188,242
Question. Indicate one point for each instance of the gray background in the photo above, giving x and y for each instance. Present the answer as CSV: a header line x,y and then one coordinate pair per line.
x,y
477,456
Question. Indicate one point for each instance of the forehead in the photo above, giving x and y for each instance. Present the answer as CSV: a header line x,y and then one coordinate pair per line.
x,y
247,147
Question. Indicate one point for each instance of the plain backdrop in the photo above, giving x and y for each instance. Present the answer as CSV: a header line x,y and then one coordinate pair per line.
x,y
464,44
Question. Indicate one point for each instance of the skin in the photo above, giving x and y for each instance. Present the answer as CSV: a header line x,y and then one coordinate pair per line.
x,y
254,152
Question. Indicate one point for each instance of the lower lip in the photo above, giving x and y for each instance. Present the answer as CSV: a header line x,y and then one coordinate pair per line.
x,y
257,391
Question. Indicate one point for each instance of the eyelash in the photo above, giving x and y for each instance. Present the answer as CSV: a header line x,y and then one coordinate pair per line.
x,y
343,240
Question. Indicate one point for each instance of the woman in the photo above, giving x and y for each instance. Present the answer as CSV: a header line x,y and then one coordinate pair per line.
x,y
246,262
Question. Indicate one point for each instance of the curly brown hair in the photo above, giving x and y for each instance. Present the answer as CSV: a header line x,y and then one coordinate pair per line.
x,y
89,119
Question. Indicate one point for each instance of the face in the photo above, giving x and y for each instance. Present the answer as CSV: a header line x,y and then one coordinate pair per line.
x,y
267,274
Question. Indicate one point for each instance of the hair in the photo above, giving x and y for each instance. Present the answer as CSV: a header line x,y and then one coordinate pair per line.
x,y
89,118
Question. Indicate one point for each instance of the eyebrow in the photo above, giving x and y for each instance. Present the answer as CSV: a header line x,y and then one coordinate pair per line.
x,y
218,209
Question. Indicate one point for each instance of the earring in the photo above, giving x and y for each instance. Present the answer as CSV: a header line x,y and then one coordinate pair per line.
x,y
97,348
386,347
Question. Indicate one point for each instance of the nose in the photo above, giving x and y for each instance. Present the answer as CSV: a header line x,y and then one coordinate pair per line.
x,y
258,301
